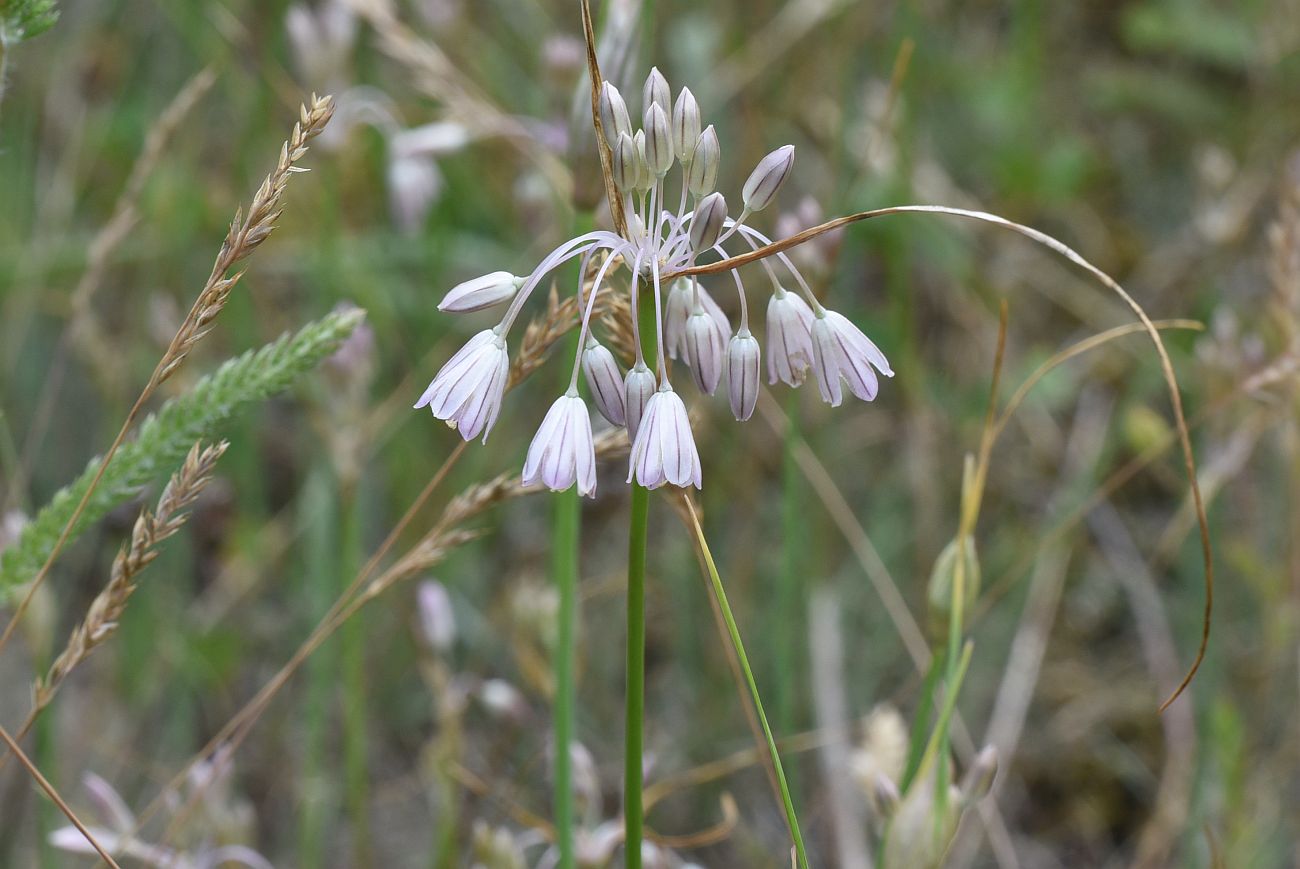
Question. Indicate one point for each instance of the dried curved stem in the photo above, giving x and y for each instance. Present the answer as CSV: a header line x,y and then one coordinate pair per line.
x,y
1059,247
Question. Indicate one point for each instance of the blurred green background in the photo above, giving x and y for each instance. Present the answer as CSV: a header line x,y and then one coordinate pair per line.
x,y
1154,136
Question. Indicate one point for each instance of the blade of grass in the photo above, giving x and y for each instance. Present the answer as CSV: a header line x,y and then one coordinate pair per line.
x,y
739,647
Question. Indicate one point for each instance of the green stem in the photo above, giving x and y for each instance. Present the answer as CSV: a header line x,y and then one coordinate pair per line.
x,y
632,746
564,556
787,803
353,642
565,541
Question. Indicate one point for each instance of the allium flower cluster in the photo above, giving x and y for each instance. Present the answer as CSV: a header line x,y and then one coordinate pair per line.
x,y
660,243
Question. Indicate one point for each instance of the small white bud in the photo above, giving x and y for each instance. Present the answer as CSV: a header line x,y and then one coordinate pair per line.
x,y
658,141
702,176
605,381
767,178
656,91
743,355
686,125
483,292
613,112
705,349
637,389
645,179
624,163
707,223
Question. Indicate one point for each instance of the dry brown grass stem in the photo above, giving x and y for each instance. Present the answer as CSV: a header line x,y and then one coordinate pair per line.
x,y
121,221
1069,253
50,792
246,234
612,194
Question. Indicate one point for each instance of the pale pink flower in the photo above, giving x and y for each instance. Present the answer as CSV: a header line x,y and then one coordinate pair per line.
x,y
789,339
664,450
605,381
638,389
742,374
706,347
841,350
467,392
562,452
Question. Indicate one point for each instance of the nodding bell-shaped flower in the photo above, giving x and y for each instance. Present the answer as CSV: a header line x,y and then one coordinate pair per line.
x,y
706,345
841,350
656,91
604,380
467,392
767,178
562,452
664,449
707,223
789,338
483,292
742,373
702,176
658,141
613,113
624,164
686,125
638,388
678,310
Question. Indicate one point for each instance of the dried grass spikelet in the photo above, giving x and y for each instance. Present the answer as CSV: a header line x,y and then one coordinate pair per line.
x,y
151,529
245,235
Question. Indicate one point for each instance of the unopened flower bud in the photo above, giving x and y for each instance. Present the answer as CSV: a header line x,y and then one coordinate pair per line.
x,y
767,178
702,176
624,163
707,223
705,349
645,179
940,589
613,113
482,292
605,381
638,386
686,125
743,355
658,141
978,781
656,91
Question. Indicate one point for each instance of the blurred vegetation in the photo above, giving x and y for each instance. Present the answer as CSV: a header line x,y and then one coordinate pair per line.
x,y
1155,136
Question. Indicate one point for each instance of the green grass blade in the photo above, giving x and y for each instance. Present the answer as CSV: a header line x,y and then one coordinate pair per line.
x,y
739,647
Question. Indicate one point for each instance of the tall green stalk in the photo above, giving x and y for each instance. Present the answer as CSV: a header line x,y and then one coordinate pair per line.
x,y
634,741
319,586
565,542
352,639
564,564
